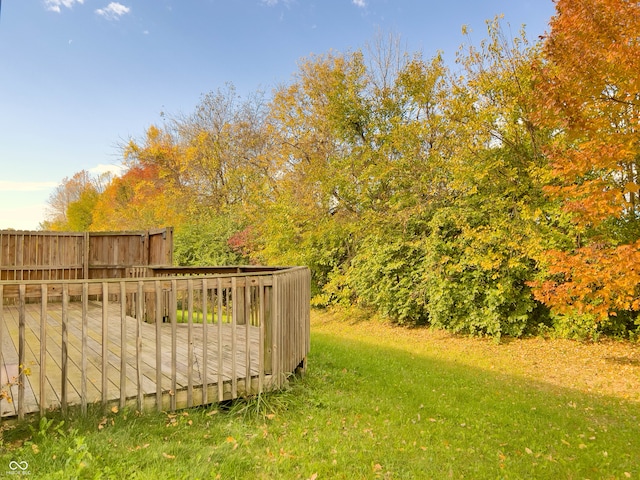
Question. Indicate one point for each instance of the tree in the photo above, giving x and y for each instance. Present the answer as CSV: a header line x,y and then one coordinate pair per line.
x,y
483,242
136,200
590,95
197,172
72,204
351,137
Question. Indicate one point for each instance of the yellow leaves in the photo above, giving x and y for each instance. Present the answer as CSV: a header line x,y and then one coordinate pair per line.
x,y
232,441
168,456
102,423
632,188
139,447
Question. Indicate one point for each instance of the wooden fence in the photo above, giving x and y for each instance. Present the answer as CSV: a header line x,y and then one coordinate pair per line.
x,y
216,334
26,255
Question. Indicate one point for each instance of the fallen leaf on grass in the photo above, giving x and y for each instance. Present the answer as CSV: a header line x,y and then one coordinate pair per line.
x,y
102,423
166,455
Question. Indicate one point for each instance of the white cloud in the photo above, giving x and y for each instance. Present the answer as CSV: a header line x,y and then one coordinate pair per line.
x,y
273,3
102,168
54,5
113,11
360,3
9,186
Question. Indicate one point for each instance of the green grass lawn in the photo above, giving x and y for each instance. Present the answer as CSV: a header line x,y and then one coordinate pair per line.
x,y
370,406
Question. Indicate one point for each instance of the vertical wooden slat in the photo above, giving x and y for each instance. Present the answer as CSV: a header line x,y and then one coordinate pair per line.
x,y
83,360
247,323
19,254
139,315
275,317
43,346
234,338
22,378
85,256
50,264
173,313
190,343
268,328
64,347
261,307
220,365
158,292
105,342
205,343
123,344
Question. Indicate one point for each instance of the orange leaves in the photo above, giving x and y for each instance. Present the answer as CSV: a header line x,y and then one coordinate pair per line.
x,y
593,280
589,93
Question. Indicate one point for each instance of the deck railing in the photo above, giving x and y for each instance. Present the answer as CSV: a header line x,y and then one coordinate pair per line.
x,y
163,338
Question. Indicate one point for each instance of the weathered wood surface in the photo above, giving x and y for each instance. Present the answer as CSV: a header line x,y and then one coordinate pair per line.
x,y
188,358
38,255
64,345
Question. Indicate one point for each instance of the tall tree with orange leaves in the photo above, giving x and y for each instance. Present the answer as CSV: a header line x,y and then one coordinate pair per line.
x,y
590,95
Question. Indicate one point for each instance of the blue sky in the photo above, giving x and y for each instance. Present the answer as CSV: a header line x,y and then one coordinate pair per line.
x,y
79,77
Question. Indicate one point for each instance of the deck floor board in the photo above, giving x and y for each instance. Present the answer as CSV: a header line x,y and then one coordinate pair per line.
x,y
9,368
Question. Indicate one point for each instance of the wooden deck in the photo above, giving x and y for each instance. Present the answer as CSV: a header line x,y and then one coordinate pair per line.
x,y
226,355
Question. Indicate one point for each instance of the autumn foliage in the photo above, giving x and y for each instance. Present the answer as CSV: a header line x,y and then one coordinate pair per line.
x,y
497,196
590,94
